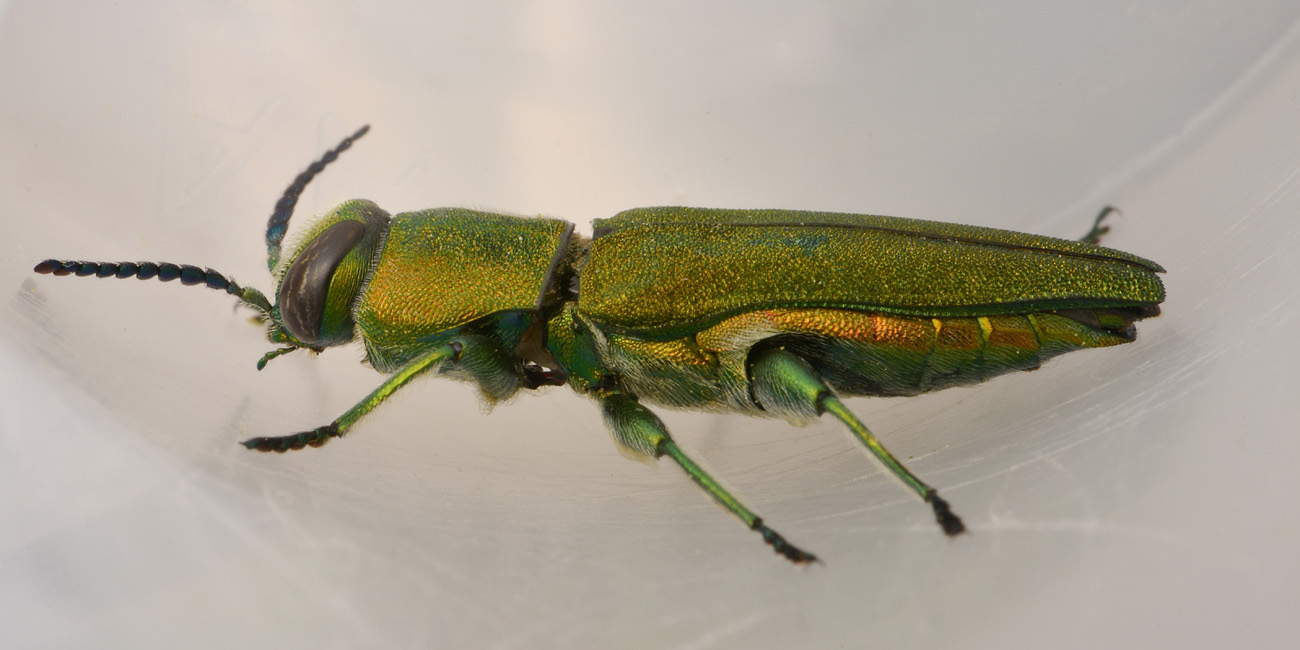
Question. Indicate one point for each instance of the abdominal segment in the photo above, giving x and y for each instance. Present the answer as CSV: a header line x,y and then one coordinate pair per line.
x,y
856,353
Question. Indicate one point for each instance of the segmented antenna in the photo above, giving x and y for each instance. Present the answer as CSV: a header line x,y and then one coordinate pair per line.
x,y
165,271
278,224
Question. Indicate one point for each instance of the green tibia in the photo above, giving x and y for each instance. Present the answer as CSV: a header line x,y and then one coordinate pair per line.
x,y
433,360
640,431
786,385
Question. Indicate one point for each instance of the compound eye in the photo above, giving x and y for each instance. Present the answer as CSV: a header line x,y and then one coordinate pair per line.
x,y
306,285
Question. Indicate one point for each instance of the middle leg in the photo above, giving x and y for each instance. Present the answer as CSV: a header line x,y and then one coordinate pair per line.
x,y
641,432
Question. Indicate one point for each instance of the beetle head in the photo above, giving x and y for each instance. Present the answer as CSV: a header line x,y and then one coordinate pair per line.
x,y
317,286
313,307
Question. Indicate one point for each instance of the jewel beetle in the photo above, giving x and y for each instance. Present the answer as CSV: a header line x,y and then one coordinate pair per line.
x,y
771,313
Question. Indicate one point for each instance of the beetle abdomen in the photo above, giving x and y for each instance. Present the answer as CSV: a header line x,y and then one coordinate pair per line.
x,y
856,353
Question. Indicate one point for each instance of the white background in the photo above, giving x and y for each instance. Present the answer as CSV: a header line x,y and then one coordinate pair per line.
x,y
1141,496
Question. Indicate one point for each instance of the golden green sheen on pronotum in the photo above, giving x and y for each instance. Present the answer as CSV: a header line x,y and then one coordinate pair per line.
x,y
440,269
768,313
725,262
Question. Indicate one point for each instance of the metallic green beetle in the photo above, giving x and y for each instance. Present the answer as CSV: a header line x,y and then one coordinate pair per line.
x,y
771,313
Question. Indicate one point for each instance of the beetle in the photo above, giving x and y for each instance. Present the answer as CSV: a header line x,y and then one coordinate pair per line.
x,y
771,313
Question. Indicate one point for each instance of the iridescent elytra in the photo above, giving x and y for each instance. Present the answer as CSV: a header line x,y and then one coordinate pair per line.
x,y
771,313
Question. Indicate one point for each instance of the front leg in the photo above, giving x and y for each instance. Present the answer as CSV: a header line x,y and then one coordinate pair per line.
x,y
459,351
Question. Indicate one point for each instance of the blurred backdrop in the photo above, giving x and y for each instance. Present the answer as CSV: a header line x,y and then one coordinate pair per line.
x,y
1141,496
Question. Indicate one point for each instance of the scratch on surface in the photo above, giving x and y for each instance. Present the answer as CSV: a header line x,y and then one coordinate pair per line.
x,y
1090,525
1080,489
712,638
261,544
551,626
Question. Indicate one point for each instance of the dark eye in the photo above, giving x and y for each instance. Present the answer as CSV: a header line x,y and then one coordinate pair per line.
x,y
306,284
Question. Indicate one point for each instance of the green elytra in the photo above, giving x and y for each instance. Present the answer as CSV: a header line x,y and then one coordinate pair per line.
x,y
772,313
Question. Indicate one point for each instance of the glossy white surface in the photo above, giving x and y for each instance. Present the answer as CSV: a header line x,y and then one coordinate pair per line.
x,y
1142,496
